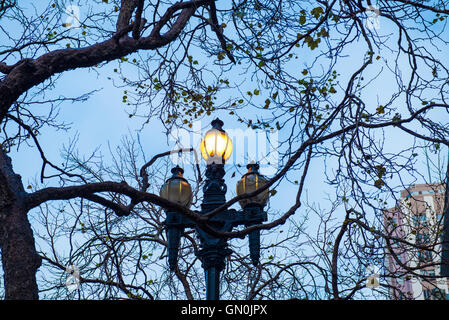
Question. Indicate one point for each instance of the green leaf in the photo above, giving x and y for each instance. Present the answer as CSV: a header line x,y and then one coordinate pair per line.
x,y
267,103
397,117
379,183
278,126
380,109
316,12
323,33
380,171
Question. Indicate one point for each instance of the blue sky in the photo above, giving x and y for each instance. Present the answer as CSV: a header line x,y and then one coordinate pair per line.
x,y
103,120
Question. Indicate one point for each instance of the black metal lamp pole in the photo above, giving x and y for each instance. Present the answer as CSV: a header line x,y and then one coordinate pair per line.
x,y
214,250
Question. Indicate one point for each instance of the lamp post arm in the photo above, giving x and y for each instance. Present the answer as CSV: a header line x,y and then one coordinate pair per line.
x,y
291,161
281,220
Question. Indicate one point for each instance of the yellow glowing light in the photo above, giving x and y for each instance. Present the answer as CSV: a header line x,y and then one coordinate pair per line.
x,y
216,146
177,189
250,182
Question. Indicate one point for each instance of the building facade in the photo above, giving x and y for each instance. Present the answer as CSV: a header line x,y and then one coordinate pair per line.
x,y
413,244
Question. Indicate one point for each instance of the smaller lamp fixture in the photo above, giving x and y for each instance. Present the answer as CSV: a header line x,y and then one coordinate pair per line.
x,y
216,146
177,189
250,182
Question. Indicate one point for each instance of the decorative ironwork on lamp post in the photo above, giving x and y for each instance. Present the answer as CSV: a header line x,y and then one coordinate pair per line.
x,y
216,148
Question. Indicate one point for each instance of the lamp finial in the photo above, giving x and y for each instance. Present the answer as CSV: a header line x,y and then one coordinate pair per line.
x,y
217,124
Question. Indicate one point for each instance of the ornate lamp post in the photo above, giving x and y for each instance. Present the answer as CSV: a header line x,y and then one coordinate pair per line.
x,y
216,148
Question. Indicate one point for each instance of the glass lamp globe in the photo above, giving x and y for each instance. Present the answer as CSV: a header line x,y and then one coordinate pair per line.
x,y
177,189
216,146
250,182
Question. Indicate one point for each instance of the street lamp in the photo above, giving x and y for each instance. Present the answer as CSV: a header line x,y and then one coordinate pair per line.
x,y
250,182
216,148
216,145
253,206
178,190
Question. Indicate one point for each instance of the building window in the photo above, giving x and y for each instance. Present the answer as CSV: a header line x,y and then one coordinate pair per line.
x,y
401,296
392,223
435,294
419,219
438,294
422,238
424,255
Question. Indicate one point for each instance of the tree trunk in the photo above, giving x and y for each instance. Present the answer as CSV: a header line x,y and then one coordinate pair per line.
x,y
19,257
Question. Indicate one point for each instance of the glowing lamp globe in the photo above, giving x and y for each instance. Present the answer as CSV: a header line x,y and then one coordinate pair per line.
x,y
216,146
177,189
250,182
